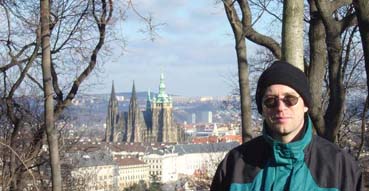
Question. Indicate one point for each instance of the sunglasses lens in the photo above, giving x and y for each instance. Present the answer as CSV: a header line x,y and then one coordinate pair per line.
x,y
271,102
288,100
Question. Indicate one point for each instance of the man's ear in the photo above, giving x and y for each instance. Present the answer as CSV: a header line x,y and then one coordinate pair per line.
x,y
306,109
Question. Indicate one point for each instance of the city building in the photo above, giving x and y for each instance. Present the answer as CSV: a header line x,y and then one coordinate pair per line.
x,y
154,125
186,159
205,117
132,171
115,166
91,171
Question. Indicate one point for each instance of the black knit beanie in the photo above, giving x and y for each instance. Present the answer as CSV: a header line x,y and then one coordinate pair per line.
x,y
281,72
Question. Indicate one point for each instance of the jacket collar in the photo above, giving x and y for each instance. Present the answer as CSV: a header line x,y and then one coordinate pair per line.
x,y
290,153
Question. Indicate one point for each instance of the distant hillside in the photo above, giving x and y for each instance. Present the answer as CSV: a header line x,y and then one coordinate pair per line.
x,y
127,95
90,109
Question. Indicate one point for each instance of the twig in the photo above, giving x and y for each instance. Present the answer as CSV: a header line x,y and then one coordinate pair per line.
x,y
24,164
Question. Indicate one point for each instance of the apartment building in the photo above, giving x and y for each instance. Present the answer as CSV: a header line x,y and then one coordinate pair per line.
x,y
99,170
132,171
186,159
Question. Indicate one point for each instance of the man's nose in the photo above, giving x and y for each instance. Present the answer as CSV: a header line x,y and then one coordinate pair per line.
x,y
281,105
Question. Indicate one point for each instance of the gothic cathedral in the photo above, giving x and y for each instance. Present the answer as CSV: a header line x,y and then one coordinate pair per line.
x,y
154,125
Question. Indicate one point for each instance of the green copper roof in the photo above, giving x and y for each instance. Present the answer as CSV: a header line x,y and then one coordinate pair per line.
x,y
162,85
148,94
162,97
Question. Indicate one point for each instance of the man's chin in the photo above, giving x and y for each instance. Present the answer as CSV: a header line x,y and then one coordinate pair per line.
x,y
280,130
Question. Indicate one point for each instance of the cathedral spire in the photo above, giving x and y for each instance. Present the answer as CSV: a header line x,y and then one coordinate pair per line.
x,y
112,90
161,85
148,94
148,100
113,97
112,126
133,91
162,96
133,100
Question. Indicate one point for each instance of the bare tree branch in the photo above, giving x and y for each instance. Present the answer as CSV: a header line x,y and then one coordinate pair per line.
x,y
24,164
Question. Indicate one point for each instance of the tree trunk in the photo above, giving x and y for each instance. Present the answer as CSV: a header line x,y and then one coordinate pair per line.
x,y
333,29
334,112
13,159
292,33
317,67
51,132
243,71
362,13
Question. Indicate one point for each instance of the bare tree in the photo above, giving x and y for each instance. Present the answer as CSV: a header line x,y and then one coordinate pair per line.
x,y
71,47
328,21
243,68
101,17
362,12
78,31
52,137
18,116
292,33
244,27
317,67
334,26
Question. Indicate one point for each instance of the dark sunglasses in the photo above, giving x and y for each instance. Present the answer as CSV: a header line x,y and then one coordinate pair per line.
x,y
288,100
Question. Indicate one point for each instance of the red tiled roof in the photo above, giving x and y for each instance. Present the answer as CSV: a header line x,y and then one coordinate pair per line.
x,y
128,147
188,127
129,161
215,139
237,138
201,140
84,147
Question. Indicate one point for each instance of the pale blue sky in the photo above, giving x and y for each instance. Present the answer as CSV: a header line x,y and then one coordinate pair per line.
x,y
194,49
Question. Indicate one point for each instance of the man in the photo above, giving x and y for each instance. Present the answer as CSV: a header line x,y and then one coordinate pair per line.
x,y
287,156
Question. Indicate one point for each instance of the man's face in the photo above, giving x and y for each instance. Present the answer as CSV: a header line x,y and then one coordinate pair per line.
x,y
282,112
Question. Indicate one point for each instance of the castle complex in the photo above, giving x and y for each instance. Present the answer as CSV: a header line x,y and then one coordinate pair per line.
x,y
153,125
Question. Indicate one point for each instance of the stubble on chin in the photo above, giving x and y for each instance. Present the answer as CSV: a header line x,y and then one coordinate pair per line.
x,y
279,131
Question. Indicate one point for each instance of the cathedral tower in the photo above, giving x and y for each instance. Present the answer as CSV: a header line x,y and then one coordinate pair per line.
x,y
154,125
163,128
113,118
135,125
